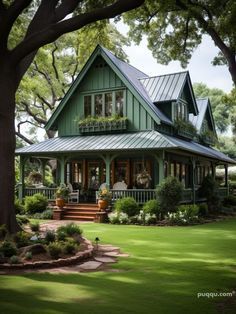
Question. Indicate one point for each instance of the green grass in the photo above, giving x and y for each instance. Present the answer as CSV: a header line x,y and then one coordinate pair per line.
x,y
166,269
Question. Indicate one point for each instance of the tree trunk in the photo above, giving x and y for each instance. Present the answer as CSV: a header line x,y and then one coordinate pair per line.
x,y
7,145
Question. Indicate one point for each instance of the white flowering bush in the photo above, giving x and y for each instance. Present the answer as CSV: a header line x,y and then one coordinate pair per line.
x,y
146,218
185,215
118,218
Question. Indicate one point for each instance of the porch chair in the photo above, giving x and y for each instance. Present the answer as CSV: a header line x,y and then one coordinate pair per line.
x,y
121,185
73,195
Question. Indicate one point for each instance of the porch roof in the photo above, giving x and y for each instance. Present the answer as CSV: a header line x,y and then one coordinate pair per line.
x,y
146,140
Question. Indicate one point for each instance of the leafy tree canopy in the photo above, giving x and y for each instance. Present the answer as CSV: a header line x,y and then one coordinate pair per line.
x,y
175,28
222,110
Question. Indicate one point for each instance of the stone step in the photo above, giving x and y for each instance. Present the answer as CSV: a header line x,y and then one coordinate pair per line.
x,y
82,209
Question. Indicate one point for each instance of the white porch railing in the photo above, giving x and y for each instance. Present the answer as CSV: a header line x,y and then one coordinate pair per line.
x,y
140,196
48,192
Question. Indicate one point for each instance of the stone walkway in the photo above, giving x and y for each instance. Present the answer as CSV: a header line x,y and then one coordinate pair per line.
x,y
103,257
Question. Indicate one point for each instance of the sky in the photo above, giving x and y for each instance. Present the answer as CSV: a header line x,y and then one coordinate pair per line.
x,y
200,67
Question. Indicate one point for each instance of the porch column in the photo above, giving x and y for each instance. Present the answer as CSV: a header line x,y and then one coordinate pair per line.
x,y
160,160
193,180
21,185
226,178
108,159
62,170
43,165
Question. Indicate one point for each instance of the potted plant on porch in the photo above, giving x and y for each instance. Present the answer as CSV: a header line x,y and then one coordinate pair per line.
x,y
104,197
62,194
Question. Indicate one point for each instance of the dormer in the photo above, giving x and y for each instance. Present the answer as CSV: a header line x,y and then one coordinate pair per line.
x,y
204,121
172,94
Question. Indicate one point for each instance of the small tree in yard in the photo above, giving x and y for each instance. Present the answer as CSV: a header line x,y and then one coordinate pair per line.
x,y
208,190
49,20
169,194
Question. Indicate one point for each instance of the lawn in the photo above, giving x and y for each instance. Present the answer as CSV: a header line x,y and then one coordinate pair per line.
x,y
167,268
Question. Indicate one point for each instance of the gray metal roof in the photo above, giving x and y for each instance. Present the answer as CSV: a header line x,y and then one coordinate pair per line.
x,y
110,142
119,142
164,87
135,76
197,121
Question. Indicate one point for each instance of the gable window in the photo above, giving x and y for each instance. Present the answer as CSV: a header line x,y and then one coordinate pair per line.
x,y
108,104
87,106
119,102
98,105
180,111
104,104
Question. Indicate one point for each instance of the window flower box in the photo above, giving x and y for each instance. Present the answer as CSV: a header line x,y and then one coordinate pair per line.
x,y
100,125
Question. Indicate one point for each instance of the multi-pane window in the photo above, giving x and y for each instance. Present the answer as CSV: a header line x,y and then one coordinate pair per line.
x,y
119,102
108,104
180,111
98,105
104,104
87,105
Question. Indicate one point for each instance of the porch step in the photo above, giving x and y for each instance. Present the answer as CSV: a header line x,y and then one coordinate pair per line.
x,y
82,218
84,212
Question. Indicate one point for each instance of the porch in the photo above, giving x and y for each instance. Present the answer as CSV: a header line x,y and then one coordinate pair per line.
x,y
141,196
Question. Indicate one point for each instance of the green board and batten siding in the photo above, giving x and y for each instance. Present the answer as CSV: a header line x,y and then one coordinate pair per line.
x,y
101,78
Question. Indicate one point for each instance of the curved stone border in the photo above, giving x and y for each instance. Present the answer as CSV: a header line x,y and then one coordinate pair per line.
x,y
79,257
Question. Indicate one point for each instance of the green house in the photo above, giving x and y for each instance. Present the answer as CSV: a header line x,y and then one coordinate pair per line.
x,y
116,125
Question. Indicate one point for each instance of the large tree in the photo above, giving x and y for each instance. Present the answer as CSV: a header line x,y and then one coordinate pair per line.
x,y
174,29
50,19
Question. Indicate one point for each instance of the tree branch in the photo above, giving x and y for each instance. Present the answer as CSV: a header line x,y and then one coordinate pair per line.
x,y
54,61
66,7
33,115
53,31
24,138
10,16
186,33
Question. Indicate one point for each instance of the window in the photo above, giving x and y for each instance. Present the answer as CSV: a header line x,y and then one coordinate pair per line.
x,y
108,104
98,105
87,106
119,103
104,104
180,111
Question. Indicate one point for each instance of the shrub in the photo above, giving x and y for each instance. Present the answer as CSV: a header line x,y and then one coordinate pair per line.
x,y
170,194
70,229
185,215
21,239
55,249
190,210
8,249
3,231
123,218
146,218
19,208
229,200
61,236
14,259
22,219
127,205
70,247
50,236
34,226
114,217
152,207
46,214
208,190
203,209
28,255
134,220
35,203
